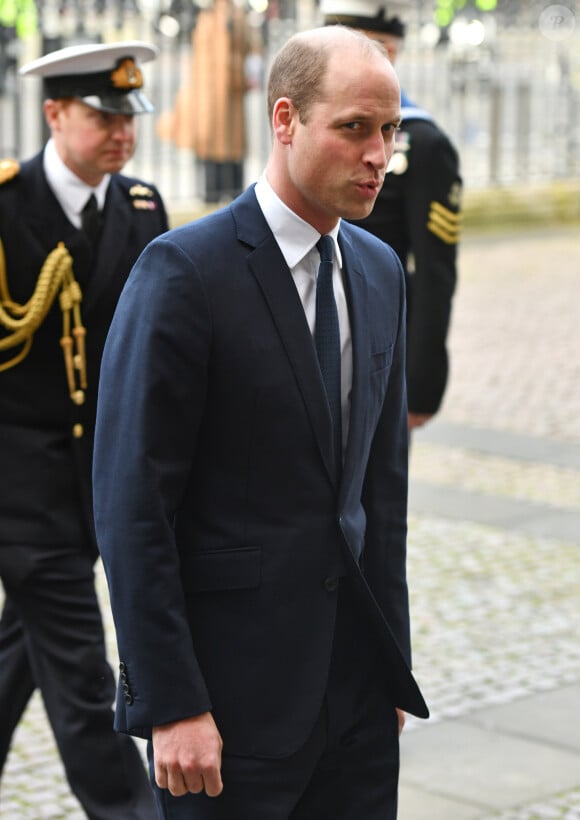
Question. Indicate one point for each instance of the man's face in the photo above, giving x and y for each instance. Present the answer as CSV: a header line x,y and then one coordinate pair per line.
x,y
338,157
91,143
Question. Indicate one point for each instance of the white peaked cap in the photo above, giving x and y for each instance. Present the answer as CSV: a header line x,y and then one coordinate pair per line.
x,y
105,76
89,58
362,8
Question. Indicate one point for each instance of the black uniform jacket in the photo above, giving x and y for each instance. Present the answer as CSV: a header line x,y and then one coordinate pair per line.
x,y
44,470
418,213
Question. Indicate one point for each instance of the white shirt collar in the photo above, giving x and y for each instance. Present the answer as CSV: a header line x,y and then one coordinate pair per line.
x,y
71,192
294,236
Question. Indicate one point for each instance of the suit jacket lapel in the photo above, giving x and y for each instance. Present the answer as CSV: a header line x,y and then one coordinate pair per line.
x,y
275,280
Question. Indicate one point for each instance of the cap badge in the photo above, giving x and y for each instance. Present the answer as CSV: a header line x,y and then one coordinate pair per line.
x,y
127,76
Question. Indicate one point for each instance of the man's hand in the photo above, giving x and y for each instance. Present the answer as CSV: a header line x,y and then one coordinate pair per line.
x,y
188,756
401,719
418,419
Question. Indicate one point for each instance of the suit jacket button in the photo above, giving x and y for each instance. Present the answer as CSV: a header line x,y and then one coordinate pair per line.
x,y
331,584
128,698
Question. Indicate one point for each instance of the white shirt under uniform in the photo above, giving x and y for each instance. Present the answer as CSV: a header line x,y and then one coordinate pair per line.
x,y
72,193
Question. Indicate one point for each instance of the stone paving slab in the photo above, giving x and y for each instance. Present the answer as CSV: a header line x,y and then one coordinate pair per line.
x,y
551,717
419,803
517,446
489,770
503,476
459,504
528,755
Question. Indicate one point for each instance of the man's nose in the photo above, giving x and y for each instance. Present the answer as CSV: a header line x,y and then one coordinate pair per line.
x,y
378,152
123,128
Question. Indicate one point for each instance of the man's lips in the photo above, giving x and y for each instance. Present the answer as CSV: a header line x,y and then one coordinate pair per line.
x,y
372,186
117,154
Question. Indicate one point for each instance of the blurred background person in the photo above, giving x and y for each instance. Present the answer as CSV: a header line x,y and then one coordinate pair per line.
x,y
208,116
418,213
71,227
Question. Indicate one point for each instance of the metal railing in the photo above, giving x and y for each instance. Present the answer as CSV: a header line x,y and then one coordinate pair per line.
x,y
512,105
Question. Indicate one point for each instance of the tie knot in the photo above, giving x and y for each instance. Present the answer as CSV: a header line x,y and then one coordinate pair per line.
x,y
90,205
325,247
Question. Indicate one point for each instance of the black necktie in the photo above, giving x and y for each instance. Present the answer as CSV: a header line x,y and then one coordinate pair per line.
x,y
327,339
91,219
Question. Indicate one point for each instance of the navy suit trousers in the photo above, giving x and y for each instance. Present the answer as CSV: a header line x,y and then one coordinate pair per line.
x,y
347,770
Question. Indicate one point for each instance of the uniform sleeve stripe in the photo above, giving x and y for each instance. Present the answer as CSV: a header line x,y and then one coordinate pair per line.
x,y
444,223
440,210
449,237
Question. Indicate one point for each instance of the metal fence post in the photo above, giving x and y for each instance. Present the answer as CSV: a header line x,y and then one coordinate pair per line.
x,y
523,129
494,133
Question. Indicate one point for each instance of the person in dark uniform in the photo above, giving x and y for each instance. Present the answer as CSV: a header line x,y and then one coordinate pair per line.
x,y
418,213
62,267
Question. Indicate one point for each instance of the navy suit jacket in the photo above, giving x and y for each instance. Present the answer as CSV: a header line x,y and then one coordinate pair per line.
x,y
218,515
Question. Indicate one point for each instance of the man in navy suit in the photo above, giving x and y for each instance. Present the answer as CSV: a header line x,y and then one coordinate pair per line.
x,y
257,569
51,632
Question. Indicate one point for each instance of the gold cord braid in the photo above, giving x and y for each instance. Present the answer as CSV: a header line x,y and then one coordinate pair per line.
x,y
22,321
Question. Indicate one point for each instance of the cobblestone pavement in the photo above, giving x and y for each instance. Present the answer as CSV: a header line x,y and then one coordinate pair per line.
x,y
516,335
496,611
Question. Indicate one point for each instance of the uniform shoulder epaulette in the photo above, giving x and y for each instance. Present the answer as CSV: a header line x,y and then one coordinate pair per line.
x,y
9,168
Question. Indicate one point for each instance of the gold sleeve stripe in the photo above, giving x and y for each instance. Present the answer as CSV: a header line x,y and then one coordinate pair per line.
x,y
444,223
438,208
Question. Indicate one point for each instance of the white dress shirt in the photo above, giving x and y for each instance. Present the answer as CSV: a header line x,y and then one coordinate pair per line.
x,y
72,193
297,242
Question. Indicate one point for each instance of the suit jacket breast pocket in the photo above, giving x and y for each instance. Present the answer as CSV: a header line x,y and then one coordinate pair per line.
x,y
379,369
381,361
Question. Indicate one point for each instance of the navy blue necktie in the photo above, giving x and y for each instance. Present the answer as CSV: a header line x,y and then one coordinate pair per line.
x,y
91,219
327,339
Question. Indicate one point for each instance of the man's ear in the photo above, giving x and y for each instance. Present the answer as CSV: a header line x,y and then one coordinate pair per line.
x,y
284,118
51,109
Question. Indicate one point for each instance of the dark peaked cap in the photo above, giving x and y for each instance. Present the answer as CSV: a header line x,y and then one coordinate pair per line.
x,y
378,22
104,76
